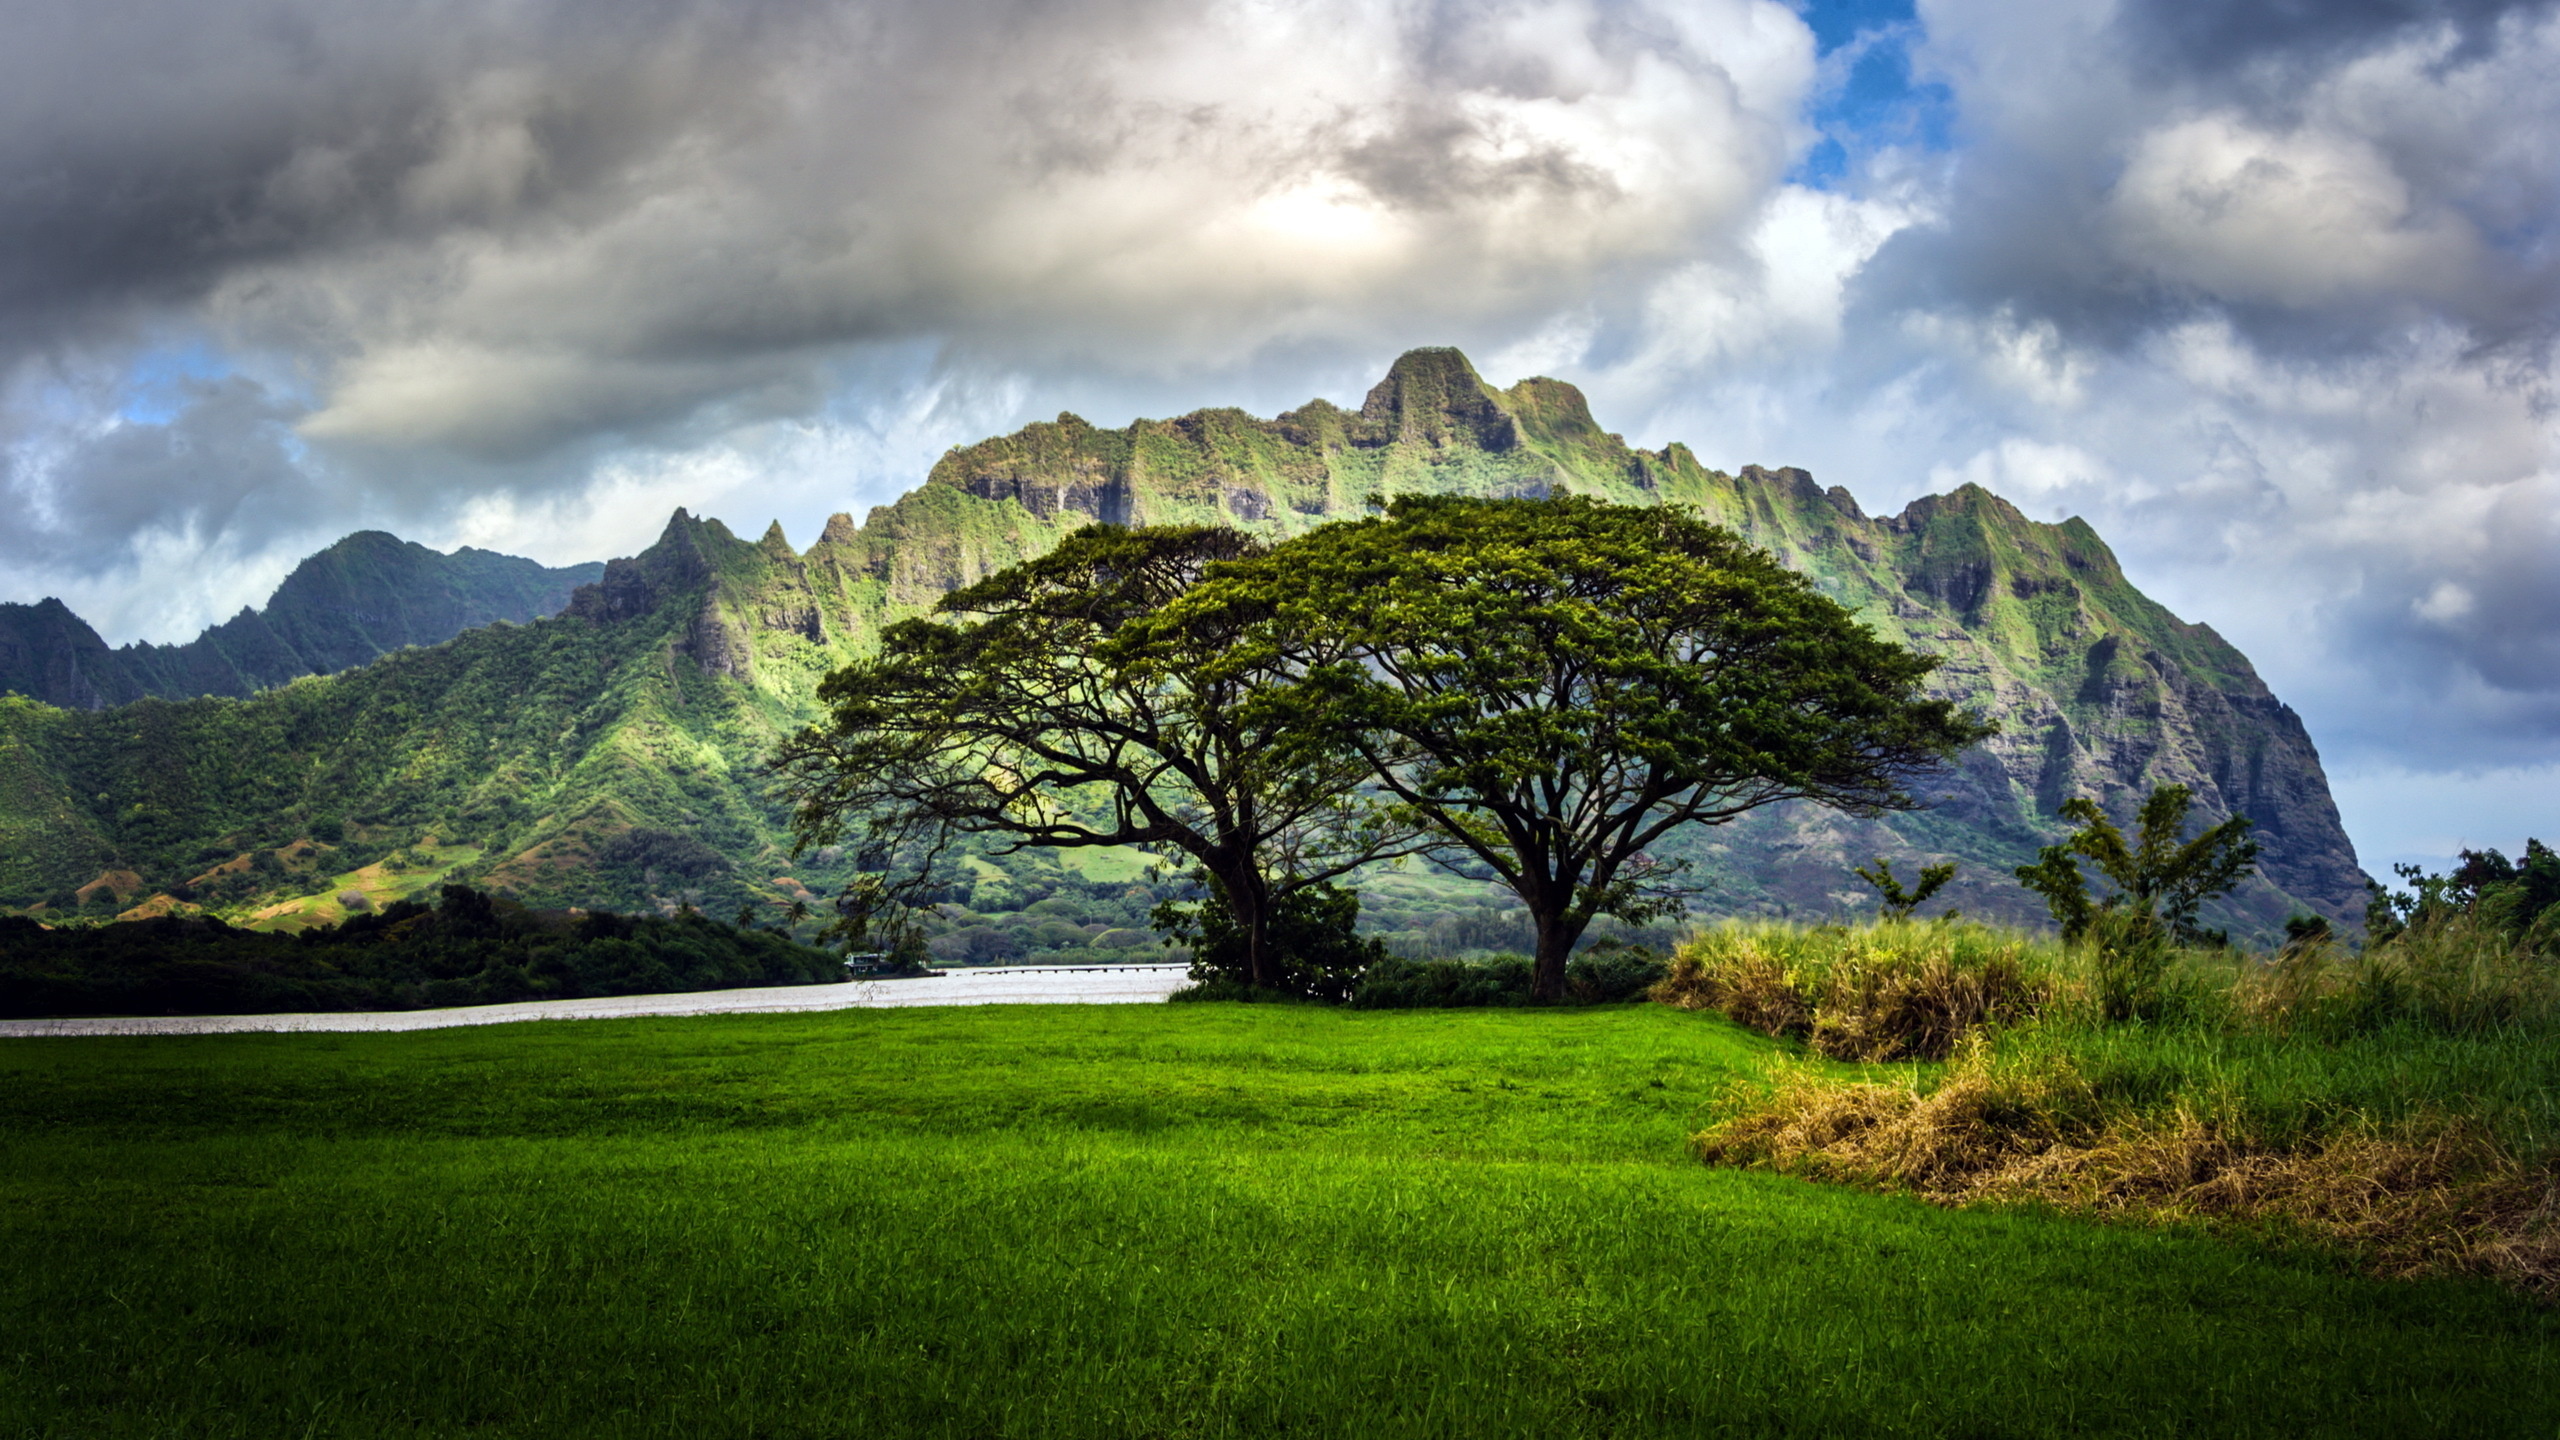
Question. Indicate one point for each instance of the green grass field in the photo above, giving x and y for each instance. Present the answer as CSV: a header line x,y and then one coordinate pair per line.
x,y
1125,1221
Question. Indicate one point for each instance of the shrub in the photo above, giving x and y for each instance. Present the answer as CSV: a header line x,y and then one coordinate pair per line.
x,y
2158,879
1229,987
2453,973
2127,957
1610,969
1313,930
1396,983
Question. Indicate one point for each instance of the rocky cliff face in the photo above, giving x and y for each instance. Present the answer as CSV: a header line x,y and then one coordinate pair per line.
x,y
361,598
650,702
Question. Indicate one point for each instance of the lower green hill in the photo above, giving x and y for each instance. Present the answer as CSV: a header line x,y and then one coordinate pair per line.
x,y
612,755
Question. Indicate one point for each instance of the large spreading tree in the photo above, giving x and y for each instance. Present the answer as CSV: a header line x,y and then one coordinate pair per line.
x,y
1018,712
1554,685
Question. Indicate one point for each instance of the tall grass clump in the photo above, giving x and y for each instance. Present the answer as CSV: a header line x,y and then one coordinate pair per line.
x,y
2403,1101
1896,990
2460,974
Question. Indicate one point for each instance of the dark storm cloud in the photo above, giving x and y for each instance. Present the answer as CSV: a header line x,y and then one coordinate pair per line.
x,y
148,150
509,227
490,255
225,460
2324,177
2185,38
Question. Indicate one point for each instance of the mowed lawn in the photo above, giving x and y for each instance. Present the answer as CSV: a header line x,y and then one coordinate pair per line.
x,y
1108,1220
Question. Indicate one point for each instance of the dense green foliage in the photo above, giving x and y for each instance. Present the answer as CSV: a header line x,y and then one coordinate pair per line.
x,y
1606,972
1555,686
1026,717
1314,946
469,949
1108,1221
2520,900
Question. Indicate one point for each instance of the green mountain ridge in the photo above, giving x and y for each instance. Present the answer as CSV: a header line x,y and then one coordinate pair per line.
x,y
612,754
363,597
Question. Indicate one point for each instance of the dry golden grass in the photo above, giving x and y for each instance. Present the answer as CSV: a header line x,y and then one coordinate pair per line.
x,y
2438,1197
1893,991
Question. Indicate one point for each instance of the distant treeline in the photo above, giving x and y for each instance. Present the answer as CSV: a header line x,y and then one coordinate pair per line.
x,y
470,949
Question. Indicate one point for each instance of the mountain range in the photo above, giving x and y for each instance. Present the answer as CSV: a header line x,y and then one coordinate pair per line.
x,y
611,753
364,597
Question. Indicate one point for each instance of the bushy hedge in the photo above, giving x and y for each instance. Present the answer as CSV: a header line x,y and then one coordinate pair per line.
x,y
1606,972
470,949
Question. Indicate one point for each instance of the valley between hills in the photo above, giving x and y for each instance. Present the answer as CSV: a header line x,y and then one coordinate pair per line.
x,y
597,736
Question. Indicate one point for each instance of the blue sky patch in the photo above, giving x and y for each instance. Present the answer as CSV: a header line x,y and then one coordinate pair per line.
x,y
1868,101
155,384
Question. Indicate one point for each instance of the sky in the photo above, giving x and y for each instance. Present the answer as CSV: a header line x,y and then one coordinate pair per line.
x,y
2266,290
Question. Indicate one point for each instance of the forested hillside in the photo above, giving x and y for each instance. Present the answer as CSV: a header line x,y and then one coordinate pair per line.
x,y
361,598
613,754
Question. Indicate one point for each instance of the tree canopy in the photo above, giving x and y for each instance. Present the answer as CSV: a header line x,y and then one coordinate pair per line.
x,y
1018,711
1554,685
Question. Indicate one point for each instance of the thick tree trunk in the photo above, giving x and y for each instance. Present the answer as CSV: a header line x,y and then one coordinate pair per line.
x,y
1556,937
1249,901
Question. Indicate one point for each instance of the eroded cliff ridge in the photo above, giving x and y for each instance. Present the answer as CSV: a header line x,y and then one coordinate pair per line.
x,y
647,705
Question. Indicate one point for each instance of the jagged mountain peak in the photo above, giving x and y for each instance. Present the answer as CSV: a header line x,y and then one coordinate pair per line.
x,y
1435,397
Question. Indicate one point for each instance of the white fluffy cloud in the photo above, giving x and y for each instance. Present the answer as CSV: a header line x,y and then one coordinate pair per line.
x,y
2311,217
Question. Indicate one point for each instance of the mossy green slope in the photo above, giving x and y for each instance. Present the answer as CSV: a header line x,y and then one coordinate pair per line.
x,y
649,703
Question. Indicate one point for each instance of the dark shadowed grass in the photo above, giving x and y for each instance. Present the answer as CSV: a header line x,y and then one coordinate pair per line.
x,y
1192,1220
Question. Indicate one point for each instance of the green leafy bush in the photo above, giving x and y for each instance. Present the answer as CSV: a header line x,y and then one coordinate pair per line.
x,y
1609,970
1400,984
1315,940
